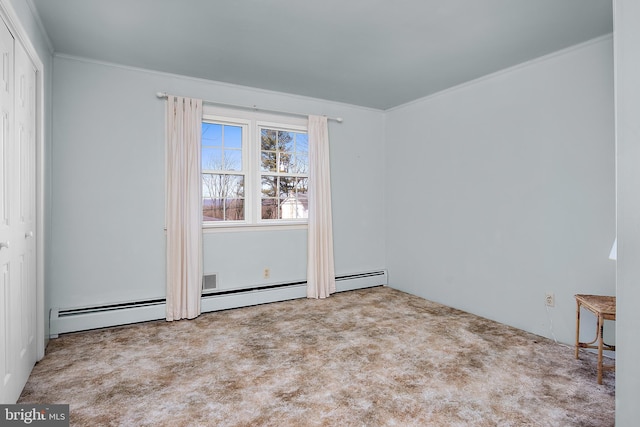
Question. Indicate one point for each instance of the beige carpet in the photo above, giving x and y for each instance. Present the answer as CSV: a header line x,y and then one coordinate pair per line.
x,y
373,357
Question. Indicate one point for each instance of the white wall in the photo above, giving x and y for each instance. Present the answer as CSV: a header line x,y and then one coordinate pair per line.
x,y
503,189
108,238
627,74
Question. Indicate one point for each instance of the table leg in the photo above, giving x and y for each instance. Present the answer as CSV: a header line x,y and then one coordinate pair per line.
x,y
577,328
600,346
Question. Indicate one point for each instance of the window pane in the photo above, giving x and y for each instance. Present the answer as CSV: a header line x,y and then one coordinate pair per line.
x,y
285,141
235,186
222,185
221,147
302,142
269,209
233,160
211,134
301,163
268,161
234,209
232,137
284,162
293,208
286,187
222,209
302,185
211,158
302,188
211,185
268,139
223,197
269,186
212,209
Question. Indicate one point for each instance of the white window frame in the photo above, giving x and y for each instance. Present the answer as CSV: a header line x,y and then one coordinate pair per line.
x,y
279,127
251,122
245,125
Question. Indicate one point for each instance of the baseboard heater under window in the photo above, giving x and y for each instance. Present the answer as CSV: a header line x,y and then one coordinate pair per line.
x,y
63,320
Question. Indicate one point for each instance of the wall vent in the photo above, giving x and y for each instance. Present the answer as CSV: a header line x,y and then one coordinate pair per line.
x,y
209,283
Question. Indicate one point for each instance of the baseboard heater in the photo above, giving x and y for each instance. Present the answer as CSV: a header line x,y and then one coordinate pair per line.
x,y
63,320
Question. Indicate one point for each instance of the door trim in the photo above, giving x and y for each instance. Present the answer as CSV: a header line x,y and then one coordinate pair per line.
x,y
10,18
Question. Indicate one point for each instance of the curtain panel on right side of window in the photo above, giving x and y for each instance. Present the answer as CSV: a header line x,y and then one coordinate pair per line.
x,y
321,280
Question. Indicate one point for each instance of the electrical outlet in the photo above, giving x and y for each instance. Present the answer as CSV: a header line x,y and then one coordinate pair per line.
x,y
266,273
549,299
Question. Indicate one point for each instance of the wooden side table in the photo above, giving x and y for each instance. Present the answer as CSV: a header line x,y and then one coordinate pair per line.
x,y
604,308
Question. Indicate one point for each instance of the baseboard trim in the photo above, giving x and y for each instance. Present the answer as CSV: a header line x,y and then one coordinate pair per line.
x,y
65,320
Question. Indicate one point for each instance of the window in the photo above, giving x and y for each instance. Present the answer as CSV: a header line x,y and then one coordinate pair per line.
x,y
284,168
223,172
254,172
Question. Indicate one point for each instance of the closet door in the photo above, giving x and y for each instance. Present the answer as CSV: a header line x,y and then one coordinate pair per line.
x,y
7,377
17,218
24,208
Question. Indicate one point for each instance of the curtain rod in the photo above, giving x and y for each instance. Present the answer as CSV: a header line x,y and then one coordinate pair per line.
x,y
164,95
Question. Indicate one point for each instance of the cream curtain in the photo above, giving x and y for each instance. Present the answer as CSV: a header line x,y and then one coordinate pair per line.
x,y
183,207
321,280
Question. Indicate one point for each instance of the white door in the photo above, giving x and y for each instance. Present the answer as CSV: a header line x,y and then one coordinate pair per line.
x,y
17,218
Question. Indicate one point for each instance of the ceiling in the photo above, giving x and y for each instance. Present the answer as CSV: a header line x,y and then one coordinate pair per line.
x,y
373,53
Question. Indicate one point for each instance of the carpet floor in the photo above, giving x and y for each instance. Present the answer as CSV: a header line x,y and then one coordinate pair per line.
x,y
371,357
